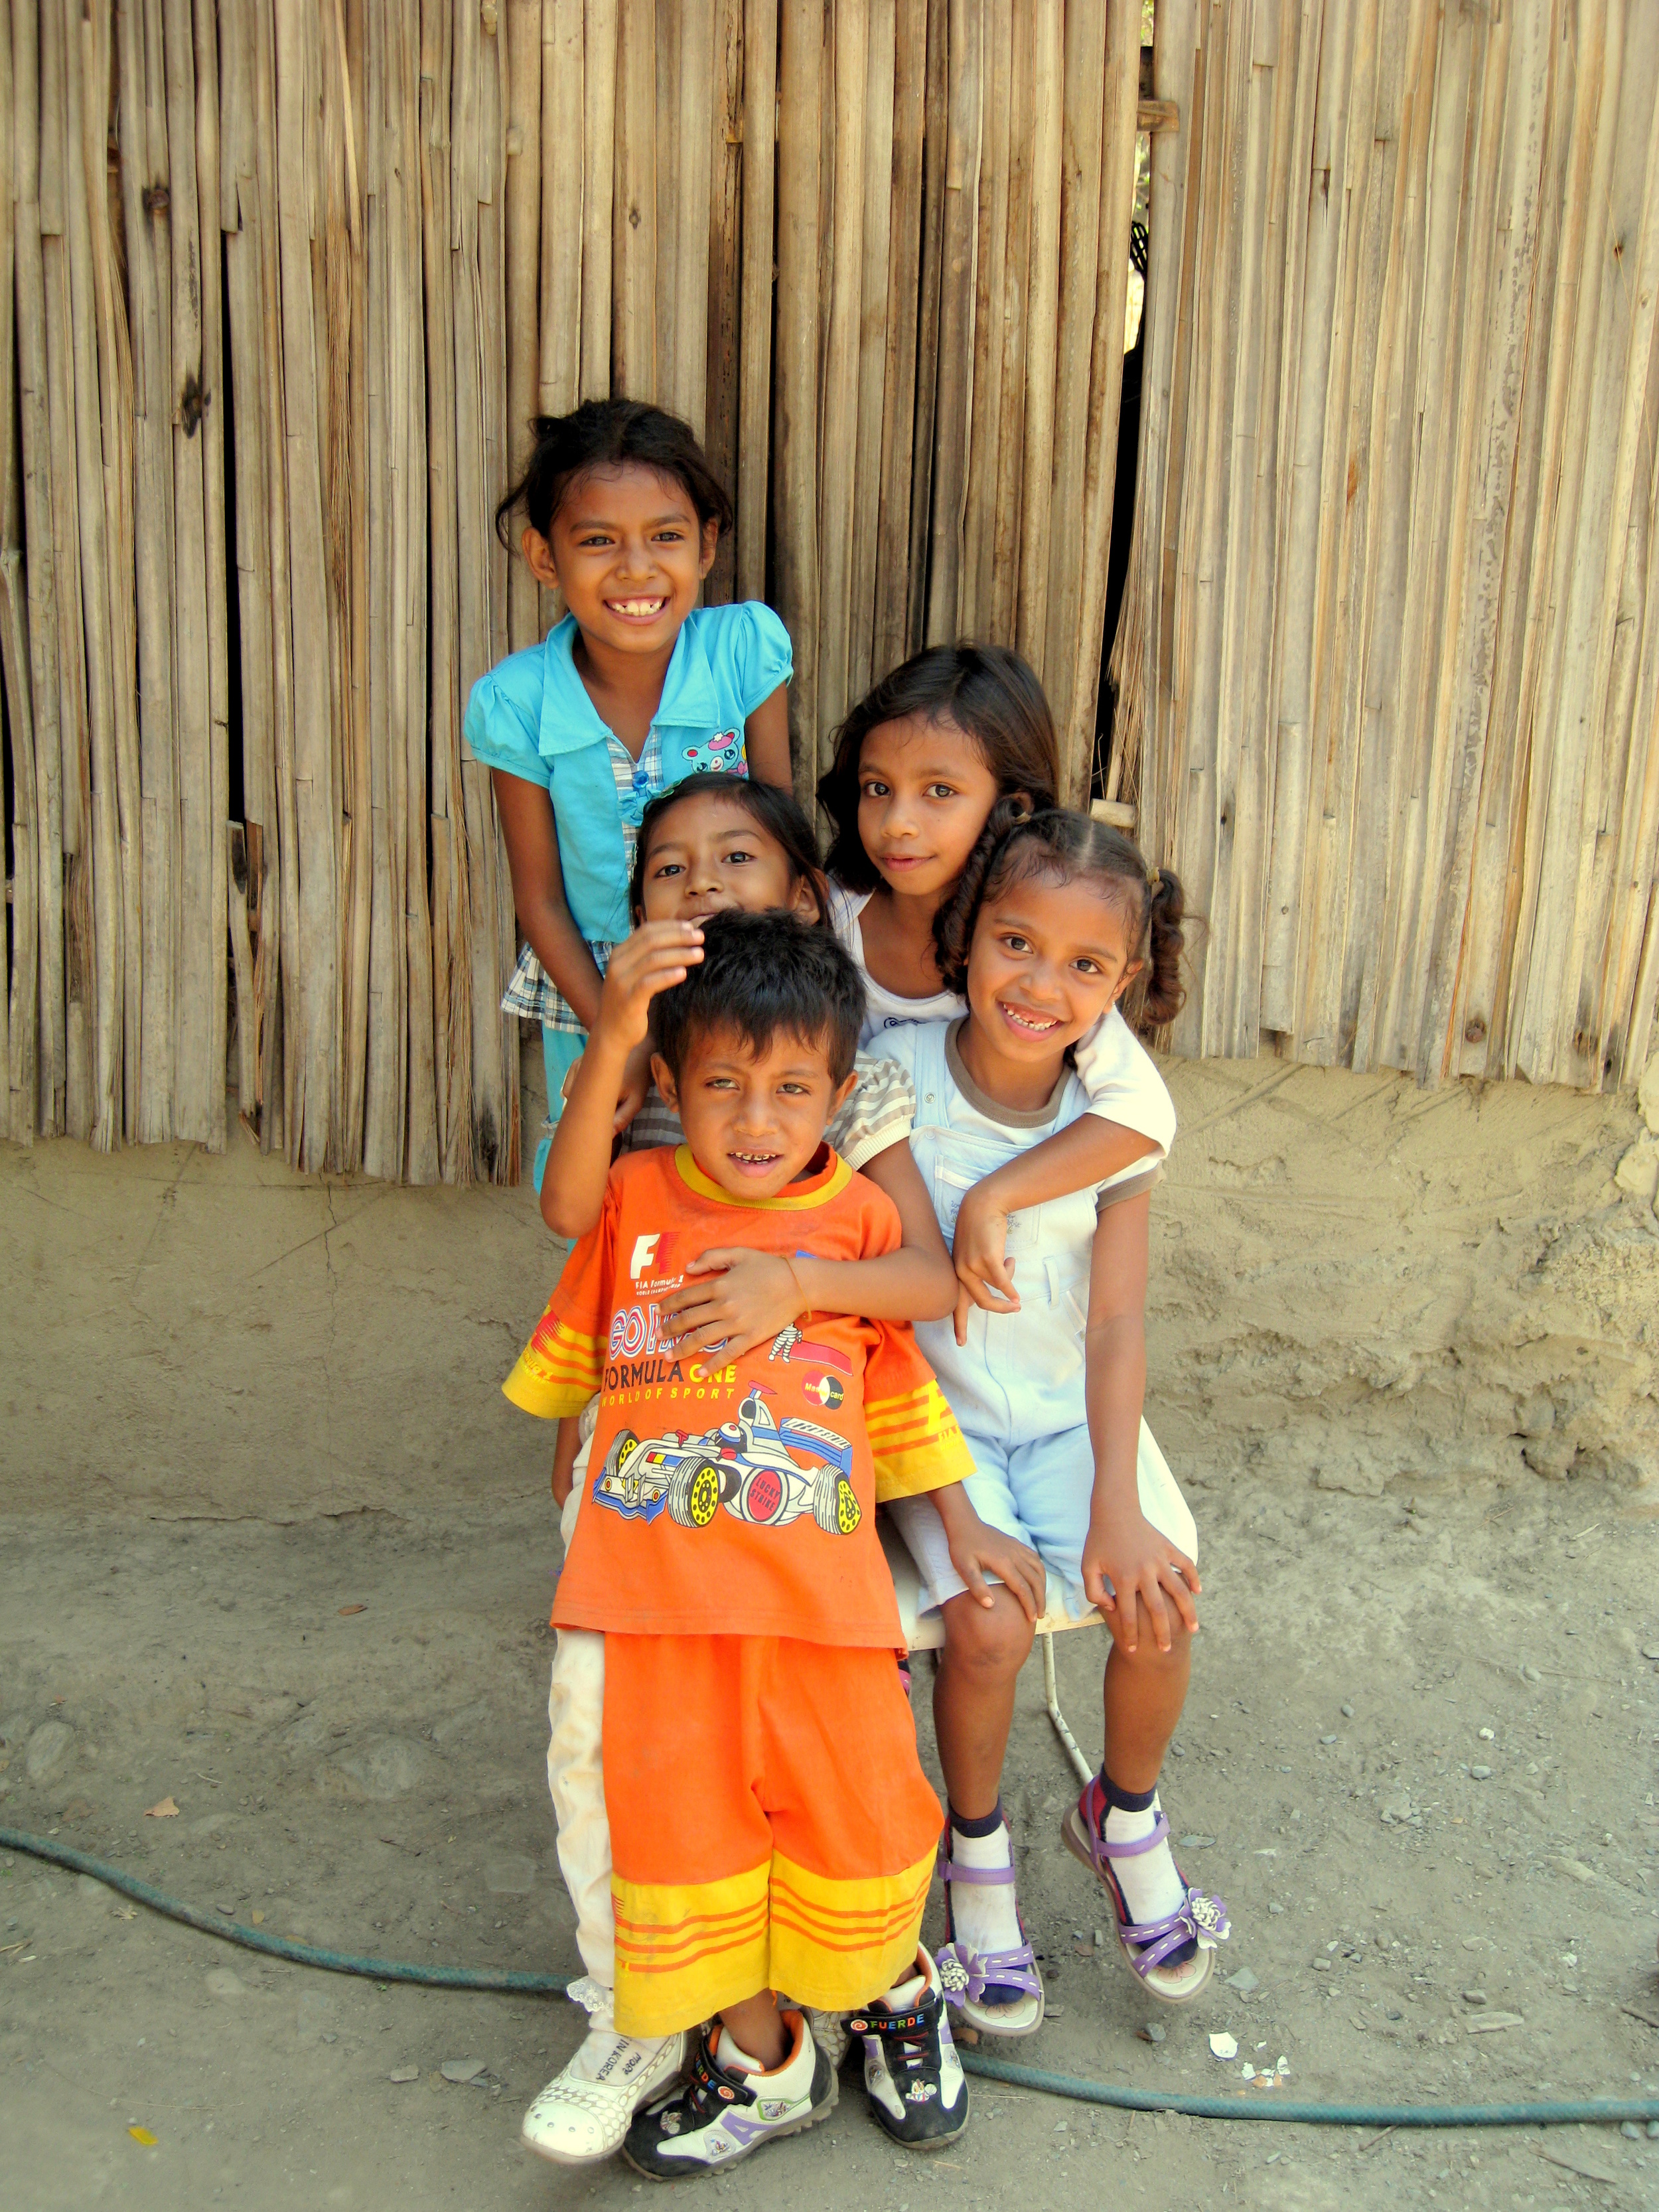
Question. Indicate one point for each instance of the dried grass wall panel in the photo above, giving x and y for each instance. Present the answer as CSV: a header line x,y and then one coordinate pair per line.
x,y
286,281
1390,661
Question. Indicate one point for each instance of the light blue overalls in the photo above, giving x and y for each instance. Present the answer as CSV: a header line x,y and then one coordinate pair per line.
x,y
1017,1386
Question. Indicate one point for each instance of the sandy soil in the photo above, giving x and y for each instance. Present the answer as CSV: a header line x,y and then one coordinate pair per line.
x,y
1404,1357
371,1780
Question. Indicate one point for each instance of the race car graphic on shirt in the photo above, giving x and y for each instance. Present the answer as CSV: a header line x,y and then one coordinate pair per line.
x,y
762,1471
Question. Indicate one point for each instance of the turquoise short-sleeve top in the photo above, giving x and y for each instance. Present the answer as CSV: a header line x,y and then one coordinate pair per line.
x,y
530,716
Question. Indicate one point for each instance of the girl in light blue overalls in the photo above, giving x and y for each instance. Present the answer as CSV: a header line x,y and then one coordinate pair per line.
x,y
1045,935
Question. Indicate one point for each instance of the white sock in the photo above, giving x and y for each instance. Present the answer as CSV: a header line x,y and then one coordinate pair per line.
x,y
984,1914
1151,1886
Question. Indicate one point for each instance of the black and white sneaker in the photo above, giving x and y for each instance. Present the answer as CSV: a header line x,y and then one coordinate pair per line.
x,y
720,2113
913,2078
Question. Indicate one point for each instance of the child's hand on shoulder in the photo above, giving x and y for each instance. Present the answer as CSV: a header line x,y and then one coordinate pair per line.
x,y
653,957
1126,1559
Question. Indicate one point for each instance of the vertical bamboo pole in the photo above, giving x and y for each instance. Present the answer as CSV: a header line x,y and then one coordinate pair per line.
x,y
599,112
955,322
524,55
975,589
478,244
146,207
1302,604
906,298
1006,429
635,207
874,259
452,952
685,277
421,1159
281,1038
935,163
1043,305
312,1133
211,953
1077,627
341,349
1085,71
376,827
249,540
839,384
103,397
196,596
668,154
40,541
565,71
19,926
67,640
755,319
721,368
795,372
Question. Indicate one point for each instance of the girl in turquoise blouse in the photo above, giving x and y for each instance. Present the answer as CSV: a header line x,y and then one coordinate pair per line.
x,y
635,689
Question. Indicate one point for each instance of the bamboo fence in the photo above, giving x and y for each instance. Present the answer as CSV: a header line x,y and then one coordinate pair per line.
x,y
1388,662
282,282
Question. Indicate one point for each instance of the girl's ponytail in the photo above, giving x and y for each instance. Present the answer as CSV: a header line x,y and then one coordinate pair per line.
x,y
953,923
1163,993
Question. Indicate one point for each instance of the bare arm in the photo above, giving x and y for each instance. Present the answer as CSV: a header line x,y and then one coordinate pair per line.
x,y
533,854
1123,1548
766,741
656,955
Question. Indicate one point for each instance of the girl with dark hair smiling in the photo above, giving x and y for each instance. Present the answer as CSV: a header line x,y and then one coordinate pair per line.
x,y
931,769
636,689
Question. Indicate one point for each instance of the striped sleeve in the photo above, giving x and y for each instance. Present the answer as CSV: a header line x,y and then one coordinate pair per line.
x,y
562,1366
881,1111
914,1437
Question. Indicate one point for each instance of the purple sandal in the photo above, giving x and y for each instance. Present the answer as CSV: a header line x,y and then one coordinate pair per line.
x,y
1198,1924
967,1974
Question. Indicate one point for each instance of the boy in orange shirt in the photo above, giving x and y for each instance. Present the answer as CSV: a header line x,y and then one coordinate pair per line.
x,y
770,1824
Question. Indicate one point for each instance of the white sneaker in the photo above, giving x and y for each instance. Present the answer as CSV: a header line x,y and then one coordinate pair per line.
x,y
584,2112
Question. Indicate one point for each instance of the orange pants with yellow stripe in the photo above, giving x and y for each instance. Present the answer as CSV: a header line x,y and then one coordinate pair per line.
x,y
770,1824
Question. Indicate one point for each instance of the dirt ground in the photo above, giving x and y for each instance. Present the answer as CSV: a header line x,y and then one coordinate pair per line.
x,y
240,1406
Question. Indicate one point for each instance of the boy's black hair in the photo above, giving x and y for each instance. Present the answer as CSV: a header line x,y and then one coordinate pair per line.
x,y
986,691
777,812
762,973
607,434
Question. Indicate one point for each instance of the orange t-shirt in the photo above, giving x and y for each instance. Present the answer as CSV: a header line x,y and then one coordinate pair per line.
x,y
733,1497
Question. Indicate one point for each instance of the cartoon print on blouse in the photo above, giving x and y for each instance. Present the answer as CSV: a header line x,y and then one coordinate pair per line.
x,y
722,754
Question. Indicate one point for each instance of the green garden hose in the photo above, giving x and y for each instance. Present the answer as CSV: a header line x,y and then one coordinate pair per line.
x,y
1238,2104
